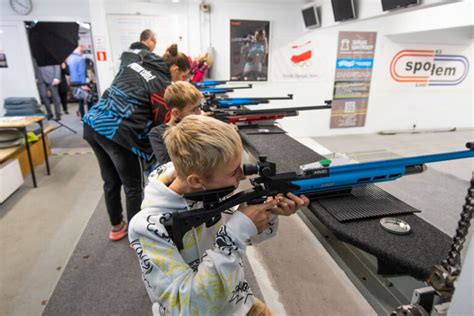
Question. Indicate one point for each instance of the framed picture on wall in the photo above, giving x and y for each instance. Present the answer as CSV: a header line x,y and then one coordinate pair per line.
x,y
249,48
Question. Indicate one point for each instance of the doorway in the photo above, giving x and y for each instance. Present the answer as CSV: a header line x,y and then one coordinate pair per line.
x,y
66,47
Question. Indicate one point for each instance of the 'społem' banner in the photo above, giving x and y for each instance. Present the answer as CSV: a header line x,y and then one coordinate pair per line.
x,y
429,67
355,60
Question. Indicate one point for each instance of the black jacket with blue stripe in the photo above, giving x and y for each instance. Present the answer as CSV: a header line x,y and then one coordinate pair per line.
x,y
134,102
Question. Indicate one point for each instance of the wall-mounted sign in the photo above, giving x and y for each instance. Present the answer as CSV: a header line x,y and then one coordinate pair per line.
x,y
428,68
101,56
355,60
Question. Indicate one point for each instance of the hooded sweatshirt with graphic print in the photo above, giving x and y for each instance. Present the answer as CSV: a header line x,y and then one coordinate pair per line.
x,y
206,277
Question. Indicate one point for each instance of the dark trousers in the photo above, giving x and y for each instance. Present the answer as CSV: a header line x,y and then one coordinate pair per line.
x,y
82,111
118,166
63,97
43,91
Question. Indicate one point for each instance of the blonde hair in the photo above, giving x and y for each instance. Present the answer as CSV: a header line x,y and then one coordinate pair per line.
x,y
200,144
180,94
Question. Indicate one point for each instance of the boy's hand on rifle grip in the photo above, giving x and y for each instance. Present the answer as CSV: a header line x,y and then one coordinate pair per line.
x,y
288,205
259,214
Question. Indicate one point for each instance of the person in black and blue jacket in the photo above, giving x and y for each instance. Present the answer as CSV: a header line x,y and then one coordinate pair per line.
x,y
117,127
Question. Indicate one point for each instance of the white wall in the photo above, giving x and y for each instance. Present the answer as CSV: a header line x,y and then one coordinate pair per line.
x,y
391,105
187,13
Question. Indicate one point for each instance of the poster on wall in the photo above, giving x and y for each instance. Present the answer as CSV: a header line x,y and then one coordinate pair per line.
x,y
296,61
249,48
424,67
355,59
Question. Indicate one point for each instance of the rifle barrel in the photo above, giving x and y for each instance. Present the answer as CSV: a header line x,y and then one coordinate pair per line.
x,y
276,110
250,99
356,174
408,161
208,83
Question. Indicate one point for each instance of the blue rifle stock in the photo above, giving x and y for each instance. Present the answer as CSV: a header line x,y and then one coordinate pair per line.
x,y
210,83
313,183
222,103
221,90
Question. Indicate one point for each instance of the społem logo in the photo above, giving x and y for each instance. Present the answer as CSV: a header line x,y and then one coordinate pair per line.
x,y
429,68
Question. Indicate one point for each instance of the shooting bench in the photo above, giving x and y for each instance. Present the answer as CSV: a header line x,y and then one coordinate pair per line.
x,y
413,254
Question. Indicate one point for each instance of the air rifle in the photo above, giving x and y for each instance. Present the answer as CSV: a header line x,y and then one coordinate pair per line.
x,y
241,116
317,182
212,102
213,90
210,83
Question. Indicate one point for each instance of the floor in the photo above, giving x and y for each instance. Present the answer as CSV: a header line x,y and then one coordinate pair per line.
x,y
40,228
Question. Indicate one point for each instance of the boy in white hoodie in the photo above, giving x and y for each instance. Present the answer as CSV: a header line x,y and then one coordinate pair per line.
x,y
206,277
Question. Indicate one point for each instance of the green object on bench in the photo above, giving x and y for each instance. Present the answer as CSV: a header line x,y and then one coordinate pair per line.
x,y
32,138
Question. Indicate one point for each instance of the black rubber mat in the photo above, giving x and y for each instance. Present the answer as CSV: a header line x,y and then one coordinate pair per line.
x,y
276,146
365,202
413,254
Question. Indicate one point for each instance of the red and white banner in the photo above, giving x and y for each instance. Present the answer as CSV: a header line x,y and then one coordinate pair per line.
x,y
296,61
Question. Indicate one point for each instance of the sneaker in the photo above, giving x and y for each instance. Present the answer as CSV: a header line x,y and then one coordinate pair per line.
x,y
119,234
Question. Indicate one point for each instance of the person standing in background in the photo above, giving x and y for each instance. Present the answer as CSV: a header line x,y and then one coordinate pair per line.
x,y
78,74
117,128
91,83
138,50
48,78
255,52
199,67
63,87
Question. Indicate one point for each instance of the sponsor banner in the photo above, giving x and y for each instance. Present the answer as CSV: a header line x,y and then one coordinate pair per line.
x,y
348,113
351,89
428,67
354,64
353,75
296,61
347,63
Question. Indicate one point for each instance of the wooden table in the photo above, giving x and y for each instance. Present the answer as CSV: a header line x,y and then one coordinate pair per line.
x,y
20,123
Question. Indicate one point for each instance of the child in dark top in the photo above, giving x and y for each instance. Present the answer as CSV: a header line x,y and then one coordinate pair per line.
x,y
183,99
